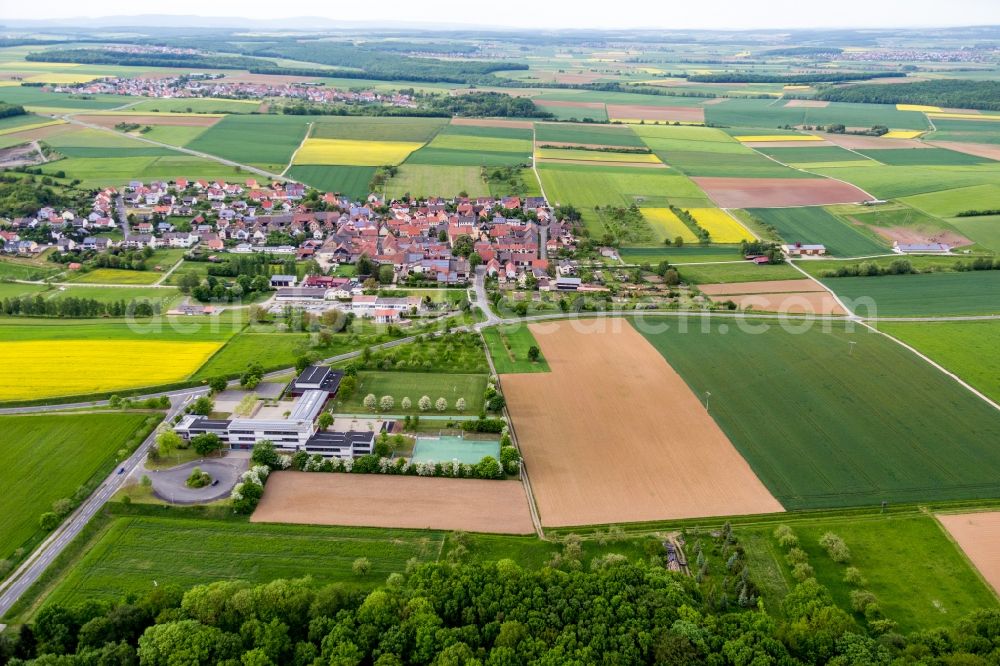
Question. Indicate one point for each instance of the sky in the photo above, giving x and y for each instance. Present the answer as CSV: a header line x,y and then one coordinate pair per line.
x,y
677,14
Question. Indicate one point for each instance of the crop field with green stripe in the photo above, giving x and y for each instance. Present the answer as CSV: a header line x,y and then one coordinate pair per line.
x,y
891,182
924,295
946,203
924,156
816,225
588,186
351,181
969,131
424,180
825,423
766,113
265,141
602,135
363,128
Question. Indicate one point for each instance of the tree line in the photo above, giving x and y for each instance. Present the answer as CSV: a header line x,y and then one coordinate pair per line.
x,y
450,612
954,93
811,77
71,306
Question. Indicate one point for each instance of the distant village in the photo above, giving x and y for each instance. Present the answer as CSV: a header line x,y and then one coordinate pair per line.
x,y
197,85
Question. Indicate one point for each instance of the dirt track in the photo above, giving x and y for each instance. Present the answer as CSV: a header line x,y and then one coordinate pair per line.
x,y
317,498
978,534
778,192
613,434
987,150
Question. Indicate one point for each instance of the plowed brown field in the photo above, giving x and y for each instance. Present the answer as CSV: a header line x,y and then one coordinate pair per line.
x,y
318,498
778,192
613,434
978,534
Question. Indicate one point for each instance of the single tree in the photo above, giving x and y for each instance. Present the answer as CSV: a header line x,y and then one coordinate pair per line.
x,y
325,420
405,404
441,404
386,403
533,353
370,402
424,403
460,404
206,443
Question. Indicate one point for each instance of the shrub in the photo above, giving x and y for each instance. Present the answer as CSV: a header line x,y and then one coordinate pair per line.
x,y
361,566
48,521
796,556
852,576
424,403
802,571
785,536
862,600
835,547
198,479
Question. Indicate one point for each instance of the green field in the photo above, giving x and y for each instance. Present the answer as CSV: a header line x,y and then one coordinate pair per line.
x,y
681,255
951,202
827,424
25,270
605,135
116,276
108,294
175,135
766,113
508,346
196,105
271,350
600,185
133,552
364,128
967,348
971,131
743,271
919,576
266,141
919,262
48,458
984,230
924,295
413,385
816,225
923,156
184,329
574,112
727,165
424,180
351,181
458,145
892,182
113,171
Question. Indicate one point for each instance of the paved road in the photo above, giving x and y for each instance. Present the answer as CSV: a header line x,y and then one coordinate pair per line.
x,y
171,484
32,568
482,300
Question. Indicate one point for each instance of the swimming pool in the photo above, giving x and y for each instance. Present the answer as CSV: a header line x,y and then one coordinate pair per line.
x,y
446,449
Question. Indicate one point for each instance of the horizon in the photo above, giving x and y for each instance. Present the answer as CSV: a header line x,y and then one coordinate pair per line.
x,y
521,15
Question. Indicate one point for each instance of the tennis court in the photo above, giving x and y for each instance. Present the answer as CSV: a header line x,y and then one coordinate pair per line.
x,y
448,448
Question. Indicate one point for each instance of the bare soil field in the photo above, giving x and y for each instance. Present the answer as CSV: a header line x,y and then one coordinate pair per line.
x,y
26,154
788,144
573,105
43,132
493,122
791,303
921,235
978,535
807,104
778,192
770,287
373,500
613,434
858,142
691,114
153,119
987,150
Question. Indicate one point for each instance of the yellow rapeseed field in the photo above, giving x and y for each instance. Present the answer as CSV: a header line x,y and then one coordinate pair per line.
x,y
902,134
595,156
81,367
778,137
917,107
668,225
965,116
721,227
62,78
349,152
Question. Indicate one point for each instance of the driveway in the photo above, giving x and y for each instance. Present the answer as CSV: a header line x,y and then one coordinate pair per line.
x,y
169,484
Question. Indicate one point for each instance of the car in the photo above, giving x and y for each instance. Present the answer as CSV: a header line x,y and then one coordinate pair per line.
x,y
215,482
121,470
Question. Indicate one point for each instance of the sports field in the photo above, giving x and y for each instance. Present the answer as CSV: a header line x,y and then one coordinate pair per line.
x,y
924,295
967,348
413,385
470,505
605,446
846,424
816,225
50,456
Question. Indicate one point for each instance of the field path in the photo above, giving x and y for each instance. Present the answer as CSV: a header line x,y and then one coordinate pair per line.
x,y
291,160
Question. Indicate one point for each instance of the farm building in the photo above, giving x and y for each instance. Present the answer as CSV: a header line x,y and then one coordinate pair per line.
x,y
921,248
804,250
283,281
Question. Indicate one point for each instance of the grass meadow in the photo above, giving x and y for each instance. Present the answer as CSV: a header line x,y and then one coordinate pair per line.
x,y
48,457
919,576
351,181
508,347
967,348
824,423
816,225
423,180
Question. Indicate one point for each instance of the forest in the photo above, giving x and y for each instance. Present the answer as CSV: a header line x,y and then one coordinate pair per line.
x,y
954,93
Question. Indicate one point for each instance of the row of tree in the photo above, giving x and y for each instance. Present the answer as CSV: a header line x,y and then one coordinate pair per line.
x,y
71,306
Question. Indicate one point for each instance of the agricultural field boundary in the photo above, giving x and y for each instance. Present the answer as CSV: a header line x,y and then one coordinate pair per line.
x,y
291,160
812,173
